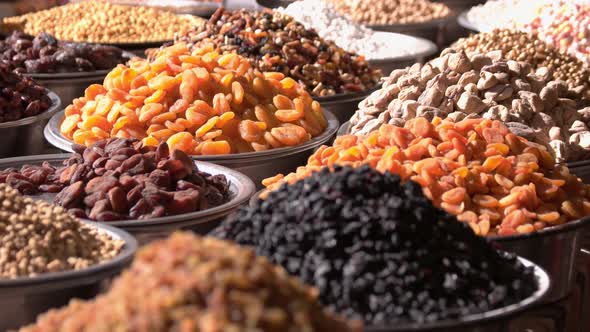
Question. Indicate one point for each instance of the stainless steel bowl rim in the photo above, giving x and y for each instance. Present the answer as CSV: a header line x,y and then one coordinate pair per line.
x,y
241,188
347,96
78,74
543,285
578,164
466,23
54,137
430,49
547,231
417,25
126,254
53,109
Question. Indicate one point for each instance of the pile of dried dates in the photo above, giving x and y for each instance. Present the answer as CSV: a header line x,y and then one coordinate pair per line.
x,y
45,54
20,97
121,179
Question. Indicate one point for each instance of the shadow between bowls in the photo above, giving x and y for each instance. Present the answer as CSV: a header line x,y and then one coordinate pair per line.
x,y
23,299
24,137
491,321
256,165
201,222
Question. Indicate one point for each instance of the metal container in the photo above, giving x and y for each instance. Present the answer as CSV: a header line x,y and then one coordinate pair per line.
x,y
343,105
466,23
426,47
256,165
581,169
241,188
433,30
274,3
343,130
553,248
496,320
69,86
8,8
24,137
23,299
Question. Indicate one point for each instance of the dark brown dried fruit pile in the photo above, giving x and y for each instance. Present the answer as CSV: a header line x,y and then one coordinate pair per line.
x,y
120,179
275,42
45,54
20,97
189,283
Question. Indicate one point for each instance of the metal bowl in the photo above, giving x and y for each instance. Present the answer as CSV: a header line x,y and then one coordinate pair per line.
x,y
241,188
274,3
24,136
581,169
69,86
433,30
464,21
344,105
495,320
23,299
256,165
427,48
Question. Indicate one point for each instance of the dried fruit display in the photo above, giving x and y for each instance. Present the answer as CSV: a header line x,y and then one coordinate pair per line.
x,y
359,236
275,42
200,102
20,97
37,237
120,179
497,182
189,283
459,86
45,54
102,22
527,47
386,12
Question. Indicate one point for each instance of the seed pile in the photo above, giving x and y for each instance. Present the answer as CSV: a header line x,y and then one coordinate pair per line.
x,y
358,236
383,12
527,47
37,238
331,25
20,97
476,169
121,179
199,102
458,86
188,283
275,42
102,22
44,54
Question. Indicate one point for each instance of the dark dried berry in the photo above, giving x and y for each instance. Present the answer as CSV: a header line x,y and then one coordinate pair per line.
x,y
379,250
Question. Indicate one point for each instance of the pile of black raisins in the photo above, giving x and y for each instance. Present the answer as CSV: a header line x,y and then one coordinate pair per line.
x,y
20,97
378,249
45,54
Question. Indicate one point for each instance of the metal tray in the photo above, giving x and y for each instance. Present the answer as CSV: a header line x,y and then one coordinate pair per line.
x,y
23,299
24,136
492,321
256,165
241,188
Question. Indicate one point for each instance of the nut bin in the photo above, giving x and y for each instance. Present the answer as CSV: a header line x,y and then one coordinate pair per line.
x,y
145,230
24,136
23,299
491,321
256,165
